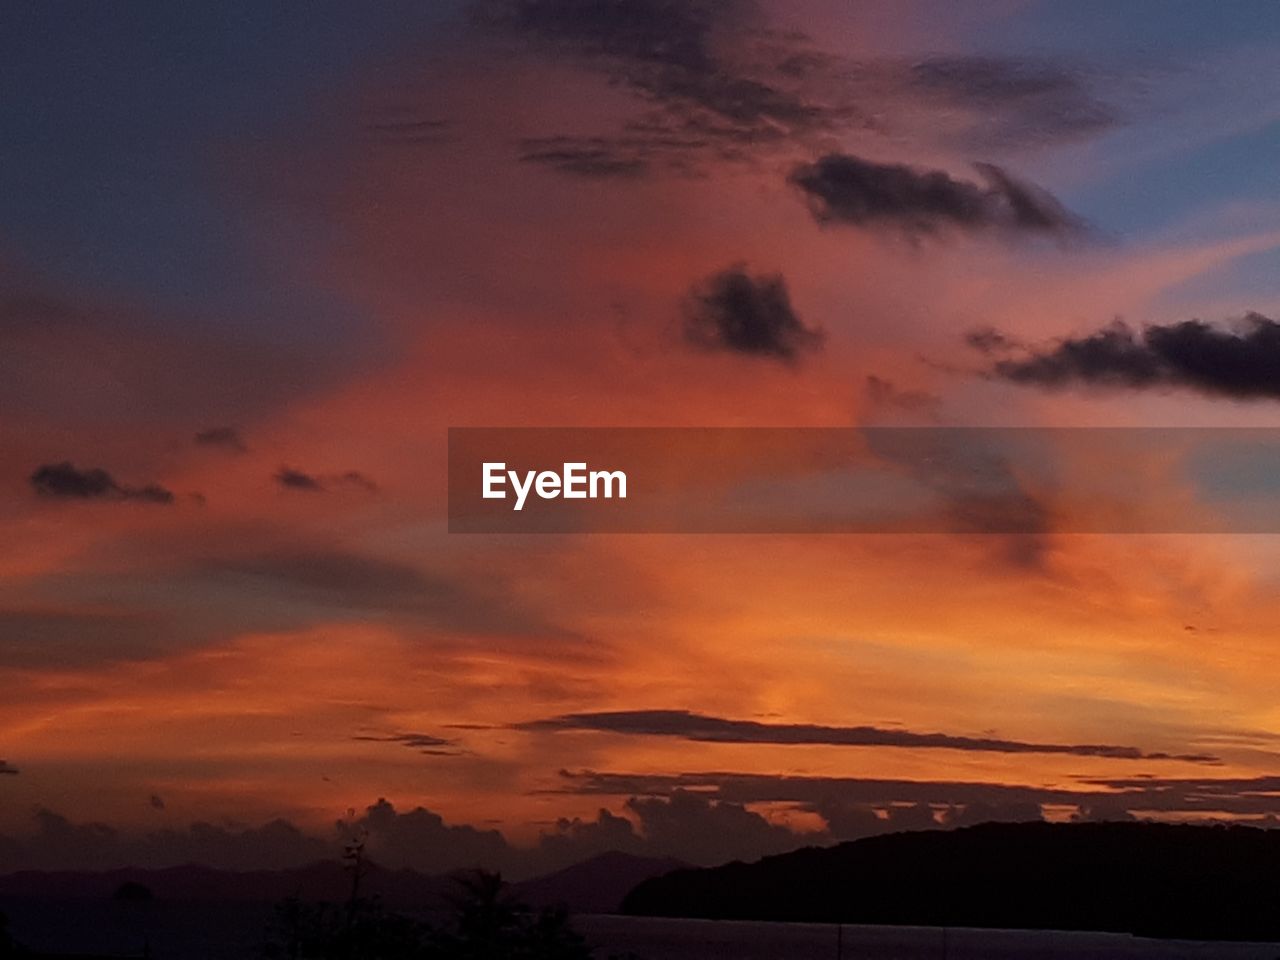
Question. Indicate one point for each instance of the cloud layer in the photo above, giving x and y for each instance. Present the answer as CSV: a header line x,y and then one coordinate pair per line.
x,y
1241,363
696,726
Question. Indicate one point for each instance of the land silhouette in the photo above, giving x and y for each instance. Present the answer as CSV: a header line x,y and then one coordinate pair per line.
x,y
1154,880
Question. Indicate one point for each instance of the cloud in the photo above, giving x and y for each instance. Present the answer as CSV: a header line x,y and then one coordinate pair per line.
x,y
719,84
1016,101
981,492
1222,797
421,838
723,86
1241,363
592,157
6,767
59,843
348,584
736,312
981,812
683,825
707,831
292,479
44,637
849,191
423,743
700,727
853,821
575,840
66,481
227,438
989,340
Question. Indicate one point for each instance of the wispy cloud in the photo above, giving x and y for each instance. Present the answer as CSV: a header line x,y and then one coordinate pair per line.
x,y
700,727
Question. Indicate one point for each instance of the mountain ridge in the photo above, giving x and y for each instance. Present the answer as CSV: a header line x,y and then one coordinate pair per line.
x,y
1161,880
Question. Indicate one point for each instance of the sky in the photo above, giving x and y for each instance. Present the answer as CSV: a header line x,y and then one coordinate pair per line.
x,y
256,260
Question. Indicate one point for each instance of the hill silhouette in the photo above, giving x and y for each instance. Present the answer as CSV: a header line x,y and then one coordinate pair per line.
x,y
1155,880
597,885
323,880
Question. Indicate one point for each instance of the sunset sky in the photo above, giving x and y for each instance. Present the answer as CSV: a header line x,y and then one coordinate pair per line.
x,y
255,260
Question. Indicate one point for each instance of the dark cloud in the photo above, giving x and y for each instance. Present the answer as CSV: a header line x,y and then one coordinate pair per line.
x,y
989,340
705,831
423,743
736,312
420,838
58,843
670,52
574,840
6,767
1254,797
700,727
980,812
670,33
591,157
292,479
156,802
227,438
703,818
1241,363
720,85
1103,811
683,825
67,481
846,190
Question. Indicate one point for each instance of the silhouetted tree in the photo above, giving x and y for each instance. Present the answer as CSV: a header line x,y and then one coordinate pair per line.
x,y
488,924
358,930
484,923
9,950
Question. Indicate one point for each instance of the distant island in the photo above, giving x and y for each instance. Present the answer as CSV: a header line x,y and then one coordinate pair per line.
x,y
1155,880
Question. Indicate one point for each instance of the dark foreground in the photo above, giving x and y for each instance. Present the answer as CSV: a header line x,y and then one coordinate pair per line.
x,y
211,931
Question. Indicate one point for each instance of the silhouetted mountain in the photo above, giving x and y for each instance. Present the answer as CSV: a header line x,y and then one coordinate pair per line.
x,y
1193,882
322,881
596,885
